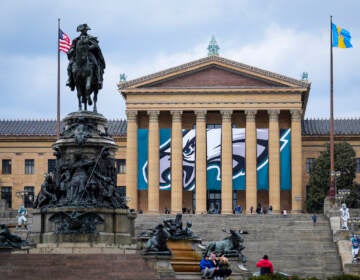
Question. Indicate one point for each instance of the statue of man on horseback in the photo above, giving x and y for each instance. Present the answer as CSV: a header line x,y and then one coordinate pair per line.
x,y
86,67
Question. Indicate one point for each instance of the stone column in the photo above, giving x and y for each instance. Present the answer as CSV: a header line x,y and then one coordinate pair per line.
x,y
226,163
176,163
132,159
296,162
251,155
154,162
274,160
200,162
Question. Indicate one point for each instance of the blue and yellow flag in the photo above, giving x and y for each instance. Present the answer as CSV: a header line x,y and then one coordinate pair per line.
x,y
340,37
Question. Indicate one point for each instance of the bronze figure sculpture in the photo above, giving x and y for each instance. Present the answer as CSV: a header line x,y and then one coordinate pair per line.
x,y
86,67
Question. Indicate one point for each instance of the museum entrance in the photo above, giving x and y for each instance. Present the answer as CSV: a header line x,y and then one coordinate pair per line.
x,y
213,202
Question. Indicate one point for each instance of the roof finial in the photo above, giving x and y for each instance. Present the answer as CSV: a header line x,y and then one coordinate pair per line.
x,y
213,47
304,76
122,78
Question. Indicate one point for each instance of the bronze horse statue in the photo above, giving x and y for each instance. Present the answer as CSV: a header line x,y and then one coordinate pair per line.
x,y
83,71
230,246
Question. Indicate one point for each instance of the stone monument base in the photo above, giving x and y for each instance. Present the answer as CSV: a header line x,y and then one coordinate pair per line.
x,y
117,226
161,265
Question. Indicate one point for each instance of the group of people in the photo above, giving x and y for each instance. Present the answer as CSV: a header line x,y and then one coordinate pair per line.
x,y
218,267
261,209
215,267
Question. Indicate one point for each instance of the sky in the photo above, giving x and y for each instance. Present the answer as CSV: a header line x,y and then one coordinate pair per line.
x,y
140,37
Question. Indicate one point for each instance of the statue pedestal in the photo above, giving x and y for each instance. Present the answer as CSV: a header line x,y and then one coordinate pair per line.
x,y
117,228
161,265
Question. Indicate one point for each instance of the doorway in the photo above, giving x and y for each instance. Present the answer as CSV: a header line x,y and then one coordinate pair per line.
x,y
214,202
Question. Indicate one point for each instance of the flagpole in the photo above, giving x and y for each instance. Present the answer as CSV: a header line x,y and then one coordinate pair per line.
x,y
58,84
332,163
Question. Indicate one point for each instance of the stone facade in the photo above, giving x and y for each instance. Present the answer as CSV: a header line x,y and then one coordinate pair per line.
x,y
221,92
212,91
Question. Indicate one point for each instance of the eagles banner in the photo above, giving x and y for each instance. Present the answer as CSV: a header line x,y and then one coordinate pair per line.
x,y
213,158
285,159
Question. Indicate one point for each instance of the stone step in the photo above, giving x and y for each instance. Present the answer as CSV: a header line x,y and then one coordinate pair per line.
x,y
197,275
85,266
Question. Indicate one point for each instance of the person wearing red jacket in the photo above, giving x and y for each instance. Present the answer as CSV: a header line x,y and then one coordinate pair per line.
x,y
266,266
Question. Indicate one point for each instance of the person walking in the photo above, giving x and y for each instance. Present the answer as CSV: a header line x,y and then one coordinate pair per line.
x,y
314,218
266,266
355,247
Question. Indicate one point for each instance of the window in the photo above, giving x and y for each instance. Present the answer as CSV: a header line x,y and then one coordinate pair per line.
x,y
6,193
309,163
28,197
121,166
121,190
357,162
6,166
51,165
29,166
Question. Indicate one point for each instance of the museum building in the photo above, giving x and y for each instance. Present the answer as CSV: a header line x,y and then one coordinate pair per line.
x,y
202,137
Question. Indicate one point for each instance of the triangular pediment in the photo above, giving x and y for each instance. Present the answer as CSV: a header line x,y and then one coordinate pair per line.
x,y
212,72
212,76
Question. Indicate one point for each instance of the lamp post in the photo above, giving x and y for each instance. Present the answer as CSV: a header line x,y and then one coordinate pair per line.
x,y
25,195
342,194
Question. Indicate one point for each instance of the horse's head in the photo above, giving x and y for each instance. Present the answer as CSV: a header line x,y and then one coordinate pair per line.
x,y
235,237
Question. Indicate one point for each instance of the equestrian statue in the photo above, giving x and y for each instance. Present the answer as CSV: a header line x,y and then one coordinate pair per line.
x,y
86,67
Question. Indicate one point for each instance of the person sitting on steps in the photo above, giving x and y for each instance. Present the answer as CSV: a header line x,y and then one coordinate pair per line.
x,y
206,268
266,266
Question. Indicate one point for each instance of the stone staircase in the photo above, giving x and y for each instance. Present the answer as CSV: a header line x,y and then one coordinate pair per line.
x,y
293,243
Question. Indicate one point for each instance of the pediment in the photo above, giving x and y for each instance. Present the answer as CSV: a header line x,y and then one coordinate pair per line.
x,y
212,76
212,72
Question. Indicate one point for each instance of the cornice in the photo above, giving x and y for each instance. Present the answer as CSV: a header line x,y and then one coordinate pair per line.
x,y
159,90
235,103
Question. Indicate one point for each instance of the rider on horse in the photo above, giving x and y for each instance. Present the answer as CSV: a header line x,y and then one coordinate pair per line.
x,y
96,57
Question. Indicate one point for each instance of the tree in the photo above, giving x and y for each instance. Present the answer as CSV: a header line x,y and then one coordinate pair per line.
x,y
344,157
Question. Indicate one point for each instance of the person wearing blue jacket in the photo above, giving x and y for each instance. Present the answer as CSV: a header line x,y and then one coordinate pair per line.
x,y
355,243
206,268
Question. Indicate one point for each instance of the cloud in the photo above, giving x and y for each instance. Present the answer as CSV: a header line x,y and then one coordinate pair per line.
x,y
143,37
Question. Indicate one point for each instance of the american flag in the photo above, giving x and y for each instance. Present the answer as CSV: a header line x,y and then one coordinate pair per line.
x,y
64,42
